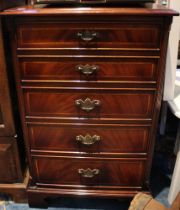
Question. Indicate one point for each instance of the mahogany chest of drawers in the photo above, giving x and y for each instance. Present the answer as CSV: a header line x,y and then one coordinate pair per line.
x,y
89,84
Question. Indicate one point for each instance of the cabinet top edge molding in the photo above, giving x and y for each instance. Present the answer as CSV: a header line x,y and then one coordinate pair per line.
x,y
115,11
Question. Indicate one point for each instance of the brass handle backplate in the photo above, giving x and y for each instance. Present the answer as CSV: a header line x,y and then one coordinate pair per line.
x,y
87,35
88,173
87,139
87,69
87,104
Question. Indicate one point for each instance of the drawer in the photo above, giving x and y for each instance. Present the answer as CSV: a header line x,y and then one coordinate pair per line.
x,y
88,138
80,69
89,171
88,35
85,103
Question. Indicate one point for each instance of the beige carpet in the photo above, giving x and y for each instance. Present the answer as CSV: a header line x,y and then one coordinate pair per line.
x,y
2,205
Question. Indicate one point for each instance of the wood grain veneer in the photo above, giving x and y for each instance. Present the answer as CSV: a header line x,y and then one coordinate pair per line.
x,y
65,35
115,172
114,104
110,69
56,137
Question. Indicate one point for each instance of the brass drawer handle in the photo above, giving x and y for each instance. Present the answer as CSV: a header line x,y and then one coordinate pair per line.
x,y
87,35
87,139
87,69
88,173
87,104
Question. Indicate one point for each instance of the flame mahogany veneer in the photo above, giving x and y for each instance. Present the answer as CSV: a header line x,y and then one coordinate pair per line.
x,y
89,83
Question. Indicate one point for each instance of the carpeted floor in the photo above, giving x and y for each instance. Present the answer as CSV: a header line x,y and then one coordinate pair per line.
x,y
78,204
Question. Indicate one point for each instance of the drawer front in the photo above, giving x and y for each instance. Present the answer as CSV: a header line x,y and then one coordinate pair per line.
x,y
88,35
79,69
73,171
89,138
88,104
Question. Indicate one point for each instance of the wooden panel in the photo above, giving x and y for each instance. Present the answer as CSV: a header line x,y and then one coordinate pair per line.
x,y
64,170
7,121
113,104
113,139
8,160
109,35
109,69
1,118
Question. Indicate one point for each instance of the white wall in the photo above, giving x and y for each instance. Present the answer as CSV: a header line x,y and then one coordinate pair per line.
x,y
172,53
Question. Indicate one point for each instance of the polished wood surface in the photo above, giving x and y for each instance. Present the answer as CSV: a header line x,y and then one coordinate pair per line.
x,y
56,137
112,172
65,35
1,119
115,110
110,69
44,10
113,104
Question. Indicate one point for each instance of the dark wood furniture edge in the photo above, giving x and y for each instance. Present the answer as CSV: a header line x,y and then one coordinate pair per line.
x,y
33,11
8,133
16,191
9,129
44,193
167,28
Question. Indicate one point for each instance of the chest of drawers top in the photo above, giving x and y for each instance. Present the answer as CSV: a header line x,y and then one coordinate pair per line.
x,y
109,28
